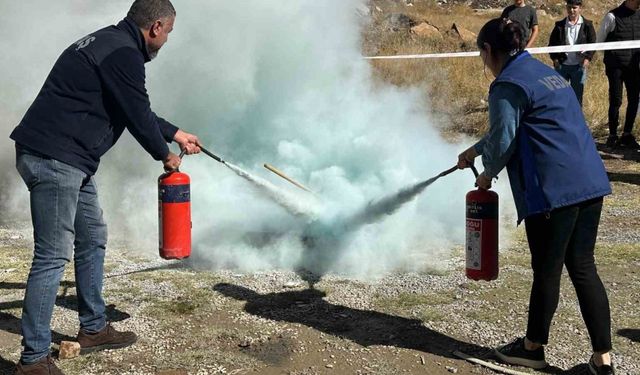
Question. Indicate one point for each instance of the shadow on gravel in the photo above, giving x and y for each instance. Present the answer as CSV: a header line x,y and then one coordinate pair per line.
x,y
627,178
617,153
6,367
183,264
632,334
11,323
363,327
7,285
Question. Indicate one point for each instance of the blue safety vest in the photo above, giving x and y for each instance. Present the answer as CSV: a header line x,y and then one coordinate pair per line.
x,y
556,163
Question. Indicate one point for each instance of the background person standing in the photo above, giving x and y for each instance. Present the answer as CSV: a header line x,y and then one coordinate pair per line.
x,y
527,17
622,67
573,29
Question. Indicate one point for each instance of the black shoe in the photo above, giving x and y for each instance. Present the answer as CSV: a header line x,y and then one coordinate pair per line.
x,y
628,141
600,370
515,354
612,141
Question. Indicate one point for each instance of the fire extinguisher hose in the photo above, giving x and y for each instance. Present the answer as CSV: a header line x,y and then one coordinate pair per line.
x,y
475,171
211,155
455,168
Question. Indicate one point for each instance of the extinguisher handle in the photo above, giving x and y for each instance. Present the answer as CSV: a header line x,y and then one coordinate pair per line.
x,y
475,170
182,153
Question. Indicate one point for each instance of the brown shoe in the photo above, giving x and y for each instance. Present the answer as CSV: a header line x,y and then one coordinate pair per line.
x,y
45,366
108,338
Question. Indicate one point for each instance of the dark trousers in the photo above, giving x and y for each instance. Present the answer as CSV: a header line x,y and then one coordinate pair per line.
x,y
630,77
577,76
567,236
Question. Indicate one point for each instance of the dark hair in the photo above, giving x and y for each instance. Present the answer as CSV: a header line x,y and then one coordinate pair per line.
x,y
504,36
574,2
145,12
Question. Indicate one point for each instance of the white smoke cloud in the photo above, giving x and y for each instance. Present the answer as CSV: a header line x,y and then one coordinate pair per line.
x,y
260,82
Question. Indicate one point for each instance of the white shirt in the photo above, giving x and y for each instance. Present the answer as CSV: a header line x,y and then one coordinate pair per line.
x,y
573,58
608,25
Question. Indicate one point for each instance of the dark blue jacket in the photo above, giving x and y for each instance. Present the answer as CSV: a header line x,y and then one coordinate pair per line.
x,y
555,163
94,91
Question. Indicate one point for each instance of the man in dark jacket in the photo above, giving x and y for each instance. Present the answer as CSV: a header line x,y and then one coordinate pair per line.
x,y
621,66
95,90
574,29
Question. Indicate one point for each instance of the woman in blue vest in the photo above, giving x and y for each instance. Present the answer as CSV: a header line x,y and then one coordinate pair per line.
x,y
538,132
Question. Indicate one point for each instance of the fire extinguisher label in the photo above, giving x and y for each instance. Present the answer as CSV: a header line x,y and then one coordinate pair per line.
x,y
478,210
175,194
473,244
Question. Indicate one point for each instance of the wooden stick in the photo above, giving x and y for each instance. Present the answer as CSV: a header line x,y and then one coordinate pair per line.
x,y
486,364
279,173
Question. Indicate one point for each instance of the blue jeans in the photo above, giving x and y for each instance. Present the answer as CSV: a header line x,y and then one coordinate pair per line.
x,y
65,214
577,76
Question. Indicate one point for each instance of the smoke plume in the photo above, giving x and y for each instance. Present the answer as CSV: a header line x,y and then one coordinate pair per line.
x,y
261,83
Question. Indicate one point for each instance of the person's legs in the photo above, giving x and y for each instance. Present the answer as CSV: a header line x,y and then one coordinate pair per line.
x,y
614,75
54,188
578,82
548,237
91,241
631,78
90,245
564,71
576,76
580,263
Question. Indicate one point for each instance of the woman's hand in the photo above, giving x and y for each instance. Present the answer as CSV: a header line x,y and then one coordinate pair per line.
x,y
465,159
483,181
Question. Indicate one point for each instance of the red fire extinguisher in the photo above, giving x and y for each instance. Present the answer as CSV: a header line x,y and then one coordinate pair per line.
x,y
174,215
482,234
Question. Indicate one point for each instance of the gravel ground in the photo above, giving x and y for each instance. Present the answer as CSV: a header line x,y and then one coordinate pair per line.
x,y
221,322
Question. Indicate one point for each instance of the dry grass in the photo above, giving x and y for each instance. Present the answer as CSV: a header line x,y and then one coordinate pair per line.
x,y
456,89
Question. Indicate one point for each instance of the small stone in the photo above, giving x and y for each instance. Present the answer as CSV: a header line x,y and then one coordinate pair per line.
x,y
69,349
245,344
452,369
291,284
328,365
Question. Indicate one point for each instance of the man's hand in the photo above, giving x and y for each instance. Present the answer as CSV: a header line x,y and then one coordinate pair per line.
x,y
556,64
585,63
188,142
171,162
483,181
465,159
532,38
